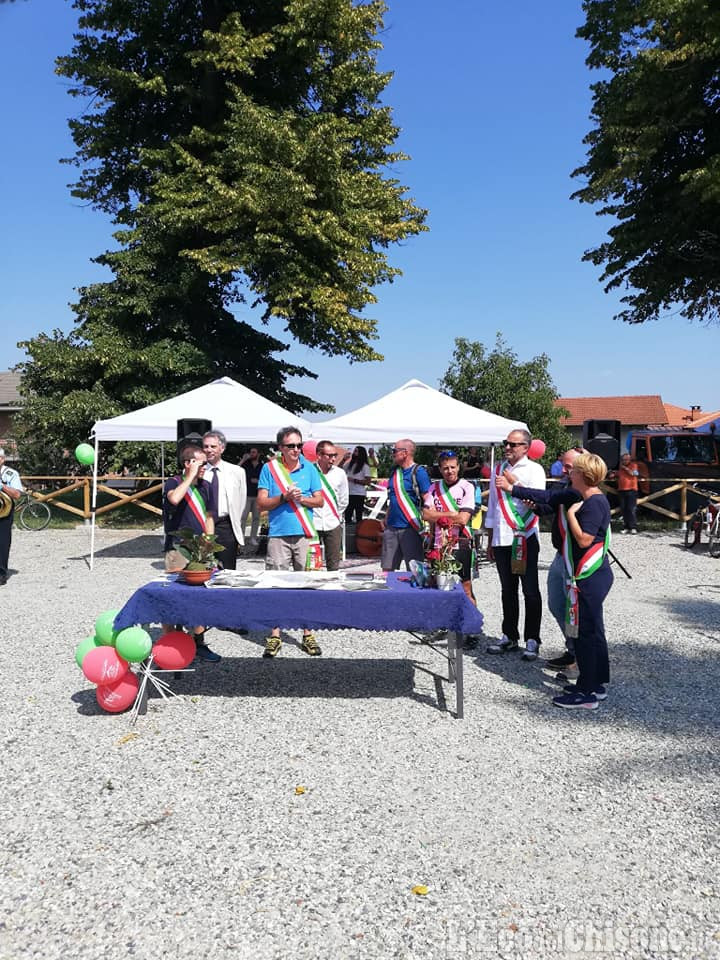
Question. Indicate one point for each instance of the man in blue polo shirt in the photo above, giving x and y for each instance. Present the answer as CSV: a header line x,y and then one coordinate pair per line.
x,y
407,487
289,489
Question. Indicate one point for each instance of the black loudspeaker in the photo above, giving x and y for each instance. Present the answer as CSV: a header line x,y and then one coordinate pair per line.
x,y
606,447
192,429
592,428
603,438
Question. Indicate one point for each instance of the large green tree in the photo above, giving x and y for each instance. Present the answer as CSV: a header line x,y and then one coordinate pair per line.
x,y
653,160
242,151
496,380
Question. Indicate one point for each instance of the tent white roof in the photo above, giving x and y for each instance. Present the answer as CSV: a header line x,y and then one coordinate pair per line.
x,y
243,416
424,415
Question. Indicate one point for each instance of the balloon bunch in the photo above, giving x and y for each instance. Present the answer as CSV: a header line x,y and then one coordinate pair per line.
x,y
106,657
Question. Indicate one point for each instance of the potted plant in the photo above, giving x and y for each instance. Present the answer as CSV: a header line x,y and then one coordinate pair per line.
x,y
443,565
199,550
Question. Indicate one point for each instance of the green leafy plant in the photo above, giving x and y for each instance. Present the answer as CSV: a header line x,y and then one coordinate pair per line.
x,y
198,548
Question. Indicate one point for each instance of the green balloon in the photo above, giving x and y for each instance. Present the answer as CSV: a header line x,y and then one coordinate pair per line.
x,y
104,628
133,644
85,454
85,646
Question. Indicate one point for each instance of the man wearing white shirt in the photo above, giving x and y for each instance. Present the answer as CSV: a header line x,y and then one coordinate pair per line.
x,y
327,518
515,546
12,488
228,492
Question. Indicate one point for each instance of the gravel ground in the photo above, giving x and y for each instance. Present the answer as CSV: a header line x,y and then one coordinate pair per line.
x,y
538,833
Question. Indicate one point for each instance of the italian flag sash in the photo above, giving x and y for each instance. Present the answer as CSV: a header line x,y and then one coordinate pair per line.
x,y
329,495
282,478
587,565
407,507
195,501
447,502
522,525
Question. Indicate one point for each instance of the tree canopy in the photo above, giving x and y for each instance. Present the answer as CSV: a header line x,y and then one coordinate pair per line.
x,y
242,151
496,380
653,159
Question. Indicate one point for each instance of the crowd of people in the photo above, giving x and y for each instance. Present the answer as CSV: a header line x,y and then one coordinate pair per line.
x,y
307,502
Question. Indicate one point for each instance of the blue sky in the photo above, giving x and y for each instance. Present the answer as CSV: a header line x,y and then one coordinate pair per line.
x,y
493,102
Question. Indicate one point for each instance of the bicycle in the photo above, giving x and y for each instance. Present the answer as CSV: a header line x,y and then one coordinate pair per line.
x,y
706,518
32,514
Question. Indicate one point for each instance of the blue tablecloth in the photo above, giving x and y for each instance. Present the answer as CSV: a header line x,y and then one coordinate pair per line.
x,y
401,607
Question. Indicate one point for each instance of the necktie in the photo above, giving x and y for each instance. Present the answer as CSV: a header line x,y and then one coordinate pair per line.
x,y
214,485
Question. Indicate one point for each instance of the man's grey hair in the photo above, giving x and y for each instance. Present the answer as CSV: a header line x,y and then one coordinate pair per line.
x,y
526,435
219,436
286,431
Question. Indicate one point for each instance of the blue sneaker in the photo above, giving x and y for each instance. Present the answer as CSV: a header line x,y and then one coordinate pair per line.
x,y
203,652
600,692
576,701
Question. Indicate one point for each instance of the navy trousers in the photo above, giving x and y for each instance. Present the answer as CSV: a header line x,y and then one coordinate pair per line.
x,y
591,650
6,525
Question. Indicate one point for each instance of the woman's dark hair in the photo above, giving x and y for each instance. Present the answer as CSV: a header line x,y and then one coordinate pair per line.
x,y
358,460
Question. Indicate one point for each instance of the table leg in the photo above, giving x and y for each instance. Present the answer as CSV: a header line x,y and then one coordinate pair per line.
x,y
451,638
459,691
455,669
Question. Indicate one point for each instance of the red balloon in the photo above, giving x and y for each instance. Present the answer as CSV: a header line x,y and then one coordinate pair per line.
x,y
536,449
118,696
104,665
174,650
310,450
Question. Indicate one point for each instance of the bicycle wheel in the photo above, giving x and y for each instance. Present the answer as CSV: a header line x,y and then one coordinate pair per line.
x,y
34,515
714,538
692,531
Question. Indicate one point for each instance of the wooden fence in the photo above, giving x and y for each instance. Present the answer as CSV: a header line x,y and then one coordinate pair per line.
x,y
123,490
137,490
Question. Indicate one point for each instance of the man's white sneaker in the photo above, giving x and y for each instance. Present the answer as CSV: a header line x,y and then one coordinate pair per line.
x,y
531,650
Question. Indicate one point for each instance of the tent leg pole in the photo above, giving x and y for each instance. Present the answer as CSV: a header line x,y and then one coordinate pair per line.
x,y
94,504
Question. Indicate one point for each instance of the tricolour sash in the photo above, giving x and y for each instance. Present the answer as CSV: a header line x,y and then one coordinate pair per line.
x,y
407,507
197,506
522,524
282,478
587,565
329,495
446,502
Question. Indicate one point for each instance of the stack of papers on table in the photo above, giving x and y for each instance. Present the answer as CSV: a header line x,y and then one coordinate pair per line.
x,y
290,580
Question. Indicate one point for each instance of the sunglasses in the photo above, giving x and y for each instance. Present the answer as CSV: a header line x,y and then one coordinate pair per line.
x,y
324,453
447,455
509,443
399,449
292,446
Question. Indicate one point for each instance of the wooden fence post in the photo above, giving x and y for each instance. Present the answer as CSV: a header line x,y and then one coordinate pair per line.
x,y
683,501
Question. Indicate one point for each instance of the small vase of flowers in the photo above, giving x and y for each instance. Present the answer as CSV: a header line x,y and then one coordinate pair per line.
x,y
440,560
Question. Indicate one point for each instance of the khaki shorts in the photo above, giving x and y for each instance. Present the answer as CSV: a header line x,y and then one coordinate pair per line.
x,y
286,553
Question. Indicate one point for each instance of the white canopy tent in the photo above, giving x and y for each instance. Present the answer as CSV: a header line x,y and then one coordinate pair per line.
x,y
243,416
421,413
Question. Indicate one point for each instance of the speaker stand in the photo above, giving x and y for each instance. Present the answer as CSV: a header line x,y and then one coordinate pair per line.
x,y
615,560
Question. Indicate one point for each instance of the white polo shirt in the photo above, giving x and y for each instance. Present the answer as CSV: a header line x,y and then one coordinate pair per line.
x,y
529,474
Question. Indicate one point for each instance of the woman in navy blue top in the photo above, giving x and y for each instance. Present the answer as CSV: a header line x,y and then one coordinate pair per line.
x,y
587,514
